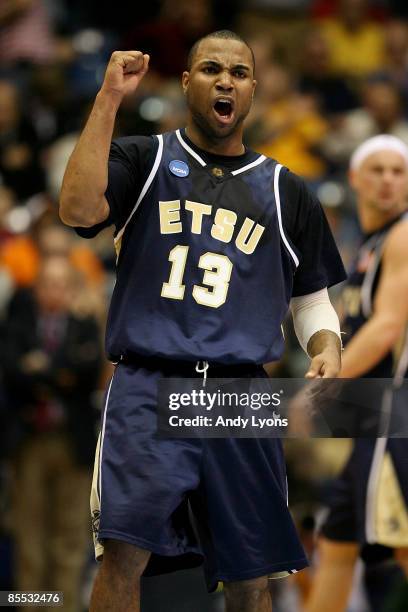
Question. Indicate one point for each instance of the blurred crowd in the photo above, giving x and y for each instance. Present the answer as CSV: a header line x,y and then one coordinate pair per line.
x,y
330,74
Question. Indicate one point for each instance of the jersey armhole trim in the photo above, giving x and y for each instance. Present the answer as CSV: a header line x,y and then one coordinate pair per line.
x,y
285,241
367,287
145,187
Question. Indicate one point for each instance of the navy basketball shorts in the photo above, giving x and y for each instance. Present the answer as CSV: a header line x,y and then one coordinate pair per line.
x,y
368,502
221,501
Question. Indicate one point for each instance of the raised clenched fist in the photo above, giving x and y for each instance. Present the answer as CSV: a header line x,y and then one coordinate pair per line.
x,y
124,72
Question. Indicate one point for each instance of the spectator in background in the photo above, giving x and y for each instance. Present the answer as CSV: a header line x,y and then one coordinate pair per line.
x,y
25,33
21,254
382,113
356,42
263,46
291,6
54,239
20,168
7,202
332,92
55,107
396,57
19,259
286,125
178,26
99,14
51,363
398,8
378,10
6,282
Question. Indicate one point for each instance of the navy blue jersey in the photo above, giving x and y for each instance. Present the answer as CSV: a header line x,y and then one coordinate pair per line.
x,y
205,268
358,296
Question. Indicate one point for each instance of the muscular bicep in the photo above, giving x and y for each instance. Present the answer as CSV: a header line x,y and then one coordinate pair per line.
x,y
115,205
391,300
129,163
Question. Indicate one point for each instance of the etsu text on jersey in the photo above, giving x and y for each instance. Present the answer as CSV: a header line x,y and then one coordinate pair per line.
x,y
223,227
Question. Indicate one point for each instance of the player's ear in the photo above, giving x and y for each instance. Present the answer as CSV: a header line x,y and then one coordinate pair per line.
x,y
254,84
185,80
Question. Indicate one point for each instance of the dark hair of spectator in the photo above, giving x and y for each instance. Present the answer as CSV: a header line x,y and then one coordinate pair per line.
x,y
226,35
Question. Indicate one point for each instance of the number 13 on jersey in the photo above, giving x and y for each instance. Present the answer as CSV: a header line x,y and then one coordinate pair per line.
x,y
218,269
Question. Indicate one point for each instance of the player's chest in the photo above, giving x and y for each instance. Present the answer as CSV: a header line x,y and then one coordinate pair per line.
x,y
226,211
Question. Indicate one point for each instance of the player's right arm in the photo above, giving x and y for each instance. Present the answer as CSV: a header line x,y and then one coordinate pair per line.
x,y
82,200
380,334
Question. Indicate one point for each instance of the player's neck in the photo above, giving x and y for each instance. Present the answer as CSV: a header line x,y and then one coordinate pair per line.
x,y
232,145
372,220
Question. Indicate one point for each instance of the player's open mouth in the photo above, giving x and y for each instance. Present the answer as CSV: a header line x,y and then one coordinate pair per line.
x,y
224,110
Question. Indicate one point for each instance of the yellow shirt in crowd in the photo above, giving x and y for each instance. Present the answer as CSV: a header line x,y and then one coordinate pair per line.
x,y
354,53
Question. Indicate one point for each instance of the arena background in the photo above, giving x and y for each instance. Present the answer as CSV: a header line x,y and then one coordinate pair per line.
x,y
330,74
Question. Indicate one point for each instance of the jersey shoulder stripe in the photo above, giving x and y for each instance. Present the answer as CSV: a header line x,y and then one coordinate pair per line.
x,y
145,187
285,241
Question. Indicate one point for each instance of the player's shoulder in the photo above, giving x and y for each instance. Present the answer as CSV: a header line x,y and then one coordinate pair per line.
x,y
396,242
297,197
133,152
130,145
298,202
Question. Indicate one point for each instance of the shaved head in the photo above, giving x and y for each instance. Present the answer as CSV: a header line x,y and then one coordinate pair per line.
x,y
223,34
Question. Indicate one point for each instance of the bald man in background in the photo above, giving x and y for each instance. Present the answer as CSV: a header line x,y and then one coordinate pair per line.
x,y
369,501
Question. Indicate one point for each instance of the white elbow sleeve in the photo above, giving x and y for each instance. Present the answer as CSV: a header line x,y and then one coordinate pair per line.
x,y
312,313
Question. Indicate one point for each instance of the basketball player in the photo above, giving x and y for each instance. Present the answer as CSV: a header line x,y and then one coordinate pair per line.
x,y
370,499
213,240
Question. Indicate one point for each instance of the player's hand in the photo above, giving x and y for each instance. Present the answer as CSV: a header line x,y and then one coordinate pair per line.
x,y
124,72
324,347
326,364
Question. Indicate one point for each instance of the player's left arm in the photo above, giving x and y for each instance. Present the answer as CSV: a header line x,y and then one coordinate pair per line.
x,y
390,309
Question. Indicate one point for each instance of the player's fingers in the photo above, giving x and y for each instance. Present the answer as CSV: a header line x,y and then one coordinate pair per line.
x,y
330,371
315,368
133,65
145,67
130,61
117,56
